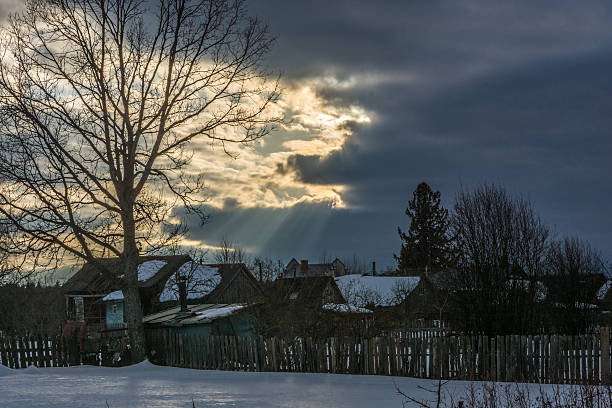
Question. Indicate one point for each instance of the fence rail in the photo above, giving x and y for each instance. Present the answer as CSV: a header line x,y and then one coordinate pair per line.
x,y
40,351
541,358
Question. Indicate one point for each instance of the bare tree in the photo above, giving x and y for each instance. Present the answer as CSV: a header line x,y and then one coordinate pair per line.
x,y
575,272
265,269
500,247
230,253
100,102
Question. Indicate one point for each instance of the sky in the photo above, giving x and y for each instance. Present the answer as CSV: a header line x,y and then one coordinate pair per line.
x,y
452,93
380,96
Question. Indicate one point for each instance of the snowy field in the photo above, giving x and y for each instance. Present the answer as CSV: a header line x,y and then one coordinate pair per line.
x,y
146,385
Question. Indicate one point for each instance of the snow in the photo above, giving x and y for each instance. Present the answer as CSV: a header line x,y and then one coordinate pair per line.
x,y
345,308
116,295
146,385
603,291
218,312
148,269
4,371
201,280
378,290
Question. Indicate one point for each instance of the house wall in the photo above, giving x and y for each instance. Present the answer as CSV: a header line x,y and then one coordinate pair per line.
x,y
241,290
239,324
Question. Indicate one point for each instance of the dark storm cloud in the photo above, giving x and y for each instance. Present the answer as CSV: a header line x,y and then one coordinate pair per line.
x,y
426,38
516,93
542,129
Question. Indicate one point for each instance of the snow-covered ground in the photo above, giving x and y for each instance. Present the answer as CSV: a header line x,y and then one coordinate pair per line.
x,y
146,385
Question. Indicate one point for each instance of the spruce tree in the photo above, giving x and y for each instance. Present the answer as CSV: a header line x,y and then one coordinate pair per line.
x,y
426,242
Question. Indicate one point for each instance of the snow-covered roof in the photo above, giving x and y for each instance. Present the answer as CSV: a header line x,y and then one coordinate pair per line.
x,y
345,308
116,295
146,271
219,312
201,313
603,290
361,290
201,280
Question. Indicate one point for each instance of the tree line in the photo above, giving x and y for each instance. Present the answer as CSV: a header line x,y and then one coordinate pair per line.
x,y
501,267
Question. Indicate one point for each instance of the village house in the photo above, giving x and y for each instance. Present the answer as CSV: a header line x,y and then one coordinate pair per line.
x,y
303,269
306,306
85,290
96,303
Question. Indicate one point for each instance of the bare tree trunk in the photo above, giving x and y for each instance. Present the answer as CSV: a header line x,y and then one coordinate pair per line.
x,y
133,315
132,303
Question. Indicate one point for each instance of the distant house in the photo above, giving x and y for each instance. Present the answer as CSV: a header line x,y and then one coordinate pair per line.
x,y
85,290
307,306
430,301
303,269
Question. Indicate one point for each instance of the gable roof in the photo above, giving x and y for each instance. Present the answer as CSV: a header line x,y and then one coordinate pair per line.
x,y
294,269
216,279
90,279
589,285
198,313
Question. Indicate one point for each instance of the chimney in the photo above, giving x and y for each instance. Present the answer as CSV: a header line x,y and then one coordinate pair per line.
x,y
182,287
260,273
303,267
373,268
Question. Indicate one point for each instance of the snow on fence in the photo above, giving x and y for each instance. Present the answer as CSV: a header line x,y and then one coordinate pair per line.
x,y
40,351
542,358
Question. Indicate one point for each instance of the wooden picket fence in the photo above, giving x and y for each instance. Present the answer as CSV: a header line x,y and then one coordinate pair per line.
x,y
40,351
543,358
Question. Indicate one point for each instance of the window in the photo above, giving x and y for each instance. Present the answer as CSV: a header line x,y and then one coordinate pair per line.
x,y
421,290
79,309
115,308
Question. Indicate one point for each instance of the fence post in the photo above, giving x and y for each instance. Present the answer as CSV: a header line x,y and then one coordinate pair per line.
x,y
604,333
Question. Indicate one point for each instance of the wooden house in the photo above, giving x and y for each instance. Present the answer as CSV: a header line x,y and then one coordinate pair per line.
x,y
303,269
85,290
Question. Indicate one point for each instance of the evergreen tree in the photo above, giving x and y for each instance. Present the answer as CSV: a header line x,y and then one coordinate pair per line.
x,y
426,242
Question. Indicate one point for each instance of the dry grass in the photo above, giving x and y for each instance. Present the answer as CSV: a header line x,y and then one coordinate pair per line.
x,y
504,395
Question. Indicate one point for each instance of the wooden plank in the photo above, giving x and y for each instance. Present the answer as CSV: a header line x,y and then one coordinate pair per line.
x,y
589,357
553,360
582,350
596,357
3,353
604,333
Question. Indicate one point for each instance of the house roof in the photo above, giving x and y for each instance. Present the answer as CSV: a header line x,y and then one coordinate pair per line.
x,y
590,286
209,281
294,269
91,279
198,314
603,291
